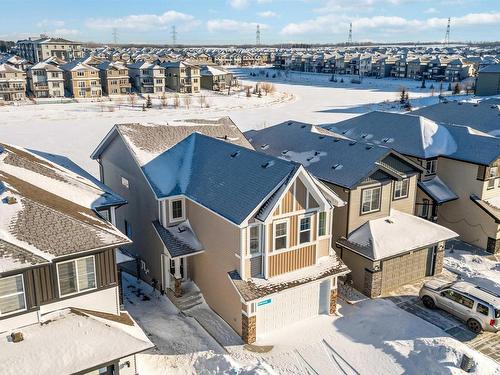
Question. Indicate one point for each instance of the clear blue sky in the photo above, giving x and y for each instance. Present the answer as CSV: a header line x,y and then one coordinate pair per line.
x,y
234,21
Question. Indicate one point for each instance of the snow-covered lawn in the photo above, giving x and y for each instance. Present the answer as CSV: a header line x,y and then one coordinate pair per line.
x,y
369,337
75,129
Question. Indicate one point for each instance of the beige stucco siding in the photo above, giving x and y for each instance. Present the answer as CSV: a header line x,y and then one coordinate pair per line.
x,y
406,205
221,241
357,264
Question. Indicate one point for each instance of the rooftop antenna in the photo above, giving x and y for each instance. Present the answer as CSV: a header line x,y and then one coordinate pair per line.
x,y
174,36
115,35
447,36
257,36
349,39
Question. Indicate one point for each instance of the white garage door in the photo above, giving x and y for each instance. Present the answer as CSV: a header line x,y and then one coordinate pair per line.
x,y
292,306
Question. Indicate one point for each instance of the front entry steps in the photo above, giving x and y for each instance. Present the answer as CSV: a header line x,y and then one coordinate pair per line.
x,y
191,296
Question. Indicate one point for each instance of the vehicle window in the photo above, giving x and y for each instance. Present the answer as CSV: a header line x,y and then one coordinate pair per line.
x,y
497,313
482,309
458,298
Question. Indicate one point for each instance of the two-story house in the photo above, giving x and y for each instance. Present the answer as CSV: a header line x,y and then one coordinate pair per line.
x,y
114,78
181,76
12,83
59,290
252,231
376,234
147,77
214,78
36,50
81,80
459,187
46,79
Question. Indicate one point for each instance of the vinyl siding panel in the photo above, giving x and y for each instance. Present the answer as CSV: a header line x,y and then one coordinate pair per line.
x,y
406,205
292,260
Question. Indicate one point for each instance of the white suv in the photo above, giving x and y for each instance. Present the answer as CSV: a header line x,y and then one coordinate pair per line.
x,y
478,307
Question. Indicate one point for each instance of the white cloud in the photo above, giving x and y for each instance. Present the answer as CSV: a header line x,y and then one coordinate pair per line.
x,y
232,25
63,32
333,23
431,11
267,14
45,23
145,22
238,4
264,1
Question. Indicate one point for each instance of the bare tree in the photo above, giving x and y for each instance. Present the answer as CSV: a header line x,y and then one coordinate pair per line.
x,y
201,100
132,99
163,100
177,101
187,101
268,87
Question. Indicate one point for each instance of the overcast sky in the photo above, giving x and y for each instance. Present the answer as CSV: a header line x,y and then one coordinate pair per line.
x,y
235,21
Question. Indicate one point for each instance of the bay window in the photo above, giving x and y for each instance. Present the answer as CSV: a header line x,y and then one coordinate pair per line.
x,y
12,297
76,276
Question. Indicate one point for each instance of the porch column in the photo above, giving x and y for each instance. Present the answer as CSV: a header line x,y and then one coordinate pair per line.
x,y
333,297
178,277
248,328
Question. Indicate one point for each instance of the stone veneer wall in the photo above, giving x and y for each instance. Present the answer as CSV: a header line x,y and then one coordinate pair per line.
x,y
333,301
248,328
373,283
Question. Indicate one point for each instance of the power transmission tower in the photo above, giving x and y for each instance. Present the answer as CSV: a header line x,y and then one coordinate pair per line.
x,y
115,35
349,39
447,36
174,36
257,36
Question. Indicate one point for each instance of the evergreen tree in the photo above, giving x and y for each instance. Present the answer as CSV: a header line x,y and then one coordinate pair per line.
x,y
149,103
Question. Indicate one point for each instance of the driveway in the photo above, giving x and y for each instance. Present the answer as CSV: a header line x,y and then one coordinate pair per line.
x,y
407,299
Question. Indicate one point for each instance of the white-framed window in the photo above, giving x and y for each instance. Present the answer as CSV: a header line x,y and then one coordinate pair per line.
x,y
12,296
125,183
254,239
492,177
176,210
401,188
304,229
424,211
280,234
76,276
431,166
322,224
370,200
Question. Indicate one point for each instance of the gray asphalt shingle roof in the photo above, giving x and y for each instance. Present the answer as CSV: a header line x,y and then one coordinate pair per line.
x,y
228,179
186,243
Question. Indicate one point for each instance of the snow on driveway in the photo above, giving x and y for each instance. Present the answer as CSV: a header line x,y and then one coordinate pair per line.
x,y
372,337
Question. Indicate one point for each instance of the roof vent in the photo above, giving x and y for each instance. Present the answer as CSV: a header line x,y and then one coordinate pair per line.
x,y
368,147
289,123
460,103
264,146
321,137
345,132
284,152
303,127
352,143
389,220
234,154
336,167
316,153
364,135
475,105
267,164
336,140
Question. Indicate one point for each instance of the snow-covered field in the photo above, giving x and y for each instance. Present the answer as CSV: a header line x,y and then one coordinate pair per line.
x,y
75,129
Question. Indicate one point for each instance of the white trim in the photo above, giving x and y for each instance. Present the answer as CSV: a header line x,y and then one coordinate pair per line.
x,y
242,254
15,294
299,218
171,200
76,274
275,223
363,191
248,253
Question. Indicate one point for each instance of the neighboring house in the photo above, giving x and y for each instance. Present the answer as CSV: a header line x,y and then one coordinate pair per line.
x,y
41,49
114,78
458,69
252,231
81,80
460,188
416,67
182,77
213,78
147,77
12,83
376,234
488,80
59,288
483,116
46,79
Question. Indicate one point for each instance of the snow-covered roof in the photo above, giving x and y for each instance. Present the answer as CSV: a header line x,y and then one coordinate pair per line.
x,y
326,155
179,240
437,190
382,238
420,137
71,341
75,65
209,70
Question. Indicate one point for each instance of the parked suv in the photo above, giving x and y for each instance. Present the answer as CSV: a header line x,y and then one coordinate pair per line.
x,y
478,307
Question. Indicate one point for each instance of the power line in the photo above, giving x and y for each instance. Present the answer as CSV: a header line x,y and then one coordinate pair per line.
x,y
447,36
174,36
115,35
349,39
257,36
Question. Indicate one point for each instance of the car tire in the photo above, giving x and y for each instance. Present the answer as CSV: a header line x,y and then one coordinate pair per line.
x,y
428,302
474,326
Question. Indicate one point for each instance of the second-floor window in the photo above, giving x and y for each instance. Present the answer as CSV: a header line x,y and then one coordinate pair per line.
x,y
430,166
76,276
12,298
322,224
401,189
370,200
176,209
492,177
305,230
254,240
80,74
281,235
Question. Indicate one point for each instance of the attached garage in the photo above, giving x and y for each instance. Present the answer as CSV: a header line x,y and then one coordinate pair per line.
x,y
292,305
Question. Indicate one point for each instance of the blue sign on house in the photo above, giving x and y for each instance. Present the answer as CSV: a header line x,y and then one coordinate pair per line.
x,y
264,302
